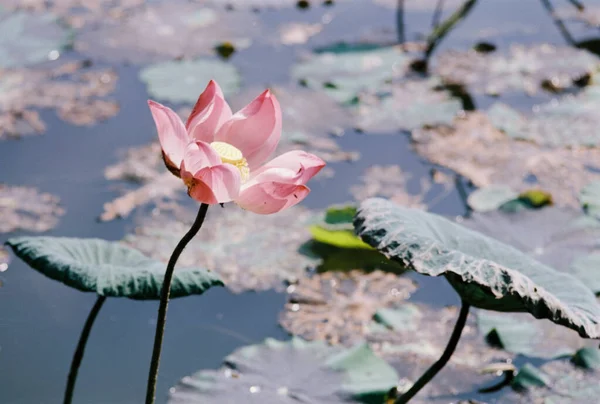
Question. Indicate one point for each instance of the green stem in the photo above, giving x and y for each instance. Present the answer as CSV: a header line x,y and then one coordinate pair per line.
x,y
446,26
164,303
78,356
437,366
400,22
437,14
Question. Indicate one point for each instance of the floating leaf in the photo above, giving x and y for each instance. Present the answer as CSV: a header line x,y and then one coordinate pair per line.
x,y
566,122
339,307
74,90
162,31
560,238
276,371
529,376
486,273
244,257
343,74
521,68
477,150
389,182
182,81
556,382
587,358
491,198
107,268
520,334
409,105
336,228
590,199
25,208
29,38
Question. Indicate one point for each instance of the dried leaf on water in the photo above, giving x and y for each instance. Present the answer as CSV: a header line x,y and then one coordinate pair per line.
x,y
167,30
145,180
474,148
77,93
522,68
338,307
248,251
25,208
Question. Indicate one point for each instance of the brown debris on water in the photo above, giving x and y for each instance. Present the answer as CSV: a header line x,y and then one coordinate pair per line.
x,y
25,208
339,307
75,91
478,151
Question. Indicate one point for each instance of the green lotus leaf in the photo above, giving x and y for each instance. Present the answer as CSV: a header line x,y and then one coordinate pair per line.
x,y
294,371
486,273
182,81
561,238
107,268
29,38
587,358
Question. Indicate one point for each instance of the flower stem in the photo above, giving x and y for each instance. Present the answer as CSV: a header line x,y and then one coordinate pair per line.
x,y
164,303
78,356
437,366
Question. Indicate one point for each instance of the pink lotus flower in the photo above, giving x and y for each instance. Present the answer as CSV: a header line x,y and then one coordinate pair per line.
x,y
221,156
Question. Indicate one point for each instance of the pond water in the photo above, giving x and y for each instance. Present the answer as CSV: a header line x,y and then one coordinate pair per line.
x,y
40,319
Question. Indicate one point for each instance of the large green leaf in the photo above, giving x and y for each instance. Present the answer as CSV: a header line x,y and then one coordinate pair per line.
x,y
485,272
27,38
107,268
182,81
292,371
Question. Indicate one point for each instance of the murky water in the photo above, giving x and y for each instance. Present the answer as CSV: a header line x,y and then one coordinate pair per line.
x,y
40,319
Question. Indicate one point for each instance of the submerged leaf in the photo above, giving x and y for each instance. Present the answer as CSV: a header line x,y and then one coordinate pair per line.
x,y
107,268
340,307
182,81
486,273
248,251
520,334
408,105
474,148
491,198
275,372
521,68
343,75
29,38
24,208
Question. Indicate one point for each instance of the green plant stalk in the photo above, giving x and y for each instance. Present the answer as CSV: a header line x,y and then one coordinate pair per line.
x,y
446,355
446,26
164,303
78,356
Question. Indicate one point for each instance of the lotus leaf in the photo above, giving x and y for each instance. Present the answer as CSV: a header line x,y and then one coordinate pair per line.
x,y
486,273
107,268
